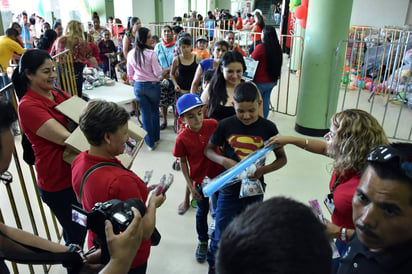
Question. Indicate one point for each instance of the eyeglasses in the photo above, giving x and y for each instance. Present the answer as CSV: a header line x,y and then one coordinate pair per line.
x,y
384,154
6,177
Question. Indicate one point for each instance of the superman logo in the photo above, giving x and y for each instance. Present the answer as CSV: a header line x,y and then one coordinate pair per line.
x,y
243,145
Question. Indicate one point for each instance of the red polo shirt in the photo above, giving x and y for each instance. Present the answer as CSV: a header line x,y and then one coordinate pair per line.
x,y
342,198
53,174
108,183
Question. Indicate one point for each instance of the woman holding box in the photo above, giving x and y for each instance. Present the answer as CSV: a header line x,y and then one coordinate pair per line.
x,y
47,129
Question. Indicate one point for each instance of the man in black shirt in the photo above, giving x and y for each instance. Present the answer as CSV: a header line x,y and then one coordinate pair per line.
x,y
382,213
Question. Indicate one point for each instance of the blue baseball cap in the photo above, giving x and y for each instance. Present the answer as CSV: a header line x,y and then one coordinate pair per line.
x,y
187,102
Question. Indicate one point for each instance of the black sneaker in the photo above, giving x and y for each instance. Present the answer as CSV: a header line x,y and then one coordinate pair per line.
x,y
201,252
212,269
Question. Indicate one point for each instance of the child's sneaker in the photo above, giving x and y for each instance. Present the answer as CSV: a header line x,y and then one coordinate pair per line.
x,y
201,252
211,269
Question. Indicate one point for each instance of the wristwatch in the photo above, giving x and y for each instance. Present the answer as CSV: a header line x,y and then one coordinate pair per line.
x,y
74,248
343,234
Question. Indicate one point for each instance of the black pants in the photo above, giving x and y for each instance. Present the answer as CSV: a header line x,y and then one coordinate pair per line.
x,y
78,73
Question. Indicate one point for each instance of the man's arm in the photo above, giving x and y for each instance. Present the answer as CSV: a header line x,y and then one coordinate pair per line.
x,y
123,247
7,245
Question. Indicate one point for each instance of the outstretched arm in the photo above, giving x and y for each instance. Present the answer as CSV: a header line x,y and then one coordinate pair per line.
x,y
312,145
23,237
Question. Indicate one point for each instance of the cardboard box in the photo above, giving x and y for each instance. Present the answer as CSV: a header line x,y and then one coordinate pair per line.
x,y
77,142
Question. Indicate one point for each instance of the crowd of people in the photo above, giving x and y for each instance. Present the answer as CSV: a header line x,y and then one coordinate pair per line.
x,y
223,119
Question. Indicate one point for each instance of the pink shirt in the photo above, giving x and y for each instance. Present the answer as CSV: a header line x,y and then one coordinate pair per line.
x,y
150,71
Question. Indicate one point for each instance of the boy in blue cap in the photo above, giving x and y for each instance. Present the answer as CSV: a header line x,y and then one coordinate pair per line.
x,y
189,147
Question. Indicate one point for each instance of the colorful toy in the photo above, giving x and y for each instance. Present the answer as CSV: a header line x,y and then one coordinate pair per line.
x,y
241,170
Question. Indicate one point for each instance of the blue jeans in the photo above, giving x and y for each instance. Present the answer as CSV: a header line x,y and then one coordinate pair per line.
x,y
201,217
265,90
60,202
148,96
228,207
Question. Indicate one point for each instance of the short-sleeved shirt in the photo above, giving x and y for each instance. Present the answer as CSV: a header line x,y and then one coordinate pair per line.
x,y
53,174
342,198
203,54
239,140
80,50
108,183
191,145
8,47
261,75
206,64
165,54
358,259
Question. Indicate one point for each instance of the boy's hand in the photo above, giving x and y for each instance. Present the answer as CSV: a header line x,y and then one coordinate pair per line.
x,y
228,163
258,173
195,194
177,88
157,200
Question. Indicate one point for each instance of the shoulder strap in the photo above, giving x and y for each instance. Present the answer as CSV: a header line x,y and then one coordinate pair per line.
x,y
62,93
91,170
164,53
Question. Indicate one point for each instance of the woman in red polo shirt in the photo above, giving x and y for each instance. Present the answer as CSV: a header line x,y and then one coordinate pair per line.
x,y
105,125
353,133
47,129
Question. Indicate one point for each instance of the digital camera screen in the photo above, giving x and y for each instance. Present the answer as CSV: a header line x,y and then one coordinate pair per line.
x,y
79,217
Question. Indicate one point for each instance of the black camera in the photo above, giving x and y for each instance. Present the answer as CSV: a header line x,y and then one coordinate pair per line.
x,y
118,212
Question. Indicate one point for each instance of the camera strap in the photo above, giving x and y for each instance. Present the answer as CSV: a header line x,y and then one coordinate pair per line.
x,y
91,170
155,238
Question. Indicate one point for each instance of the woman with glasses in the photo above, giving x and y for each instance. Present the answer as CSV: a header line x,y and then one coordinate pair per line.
x,y
353,133
47,129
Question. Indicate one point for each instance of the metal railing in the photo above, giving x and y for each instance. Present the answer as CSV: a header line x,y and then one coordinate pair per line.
x,y
41,221
377,77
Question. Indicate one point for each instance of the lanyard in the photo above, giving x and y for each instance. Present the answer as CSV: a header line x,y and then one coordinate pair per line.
x,y
335,185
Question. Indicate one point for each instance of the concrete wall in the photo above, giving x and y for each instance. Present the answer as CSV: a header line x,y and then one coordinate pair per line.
x,y
379,13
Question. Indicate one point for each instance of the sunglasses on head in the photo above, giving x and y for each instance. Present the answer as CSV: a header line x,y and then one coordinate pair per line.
x,y
382,154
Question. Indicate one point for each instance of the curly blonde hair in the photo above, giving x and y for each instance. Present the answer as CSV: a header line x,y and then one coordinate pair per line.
x,y
357,133
74,32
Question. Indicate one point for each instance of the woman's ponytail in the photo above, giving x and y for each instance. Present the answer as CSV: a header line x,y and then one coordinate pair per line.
x,y
19,82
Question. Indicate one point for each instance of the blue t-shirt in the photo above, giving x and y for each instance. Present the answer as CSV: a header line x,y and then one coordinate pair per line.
x,y
165,55
210,27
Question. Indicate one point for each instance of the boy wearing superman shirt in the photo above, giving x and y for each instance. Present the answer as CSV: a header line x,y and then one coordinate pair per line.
x,y
238,136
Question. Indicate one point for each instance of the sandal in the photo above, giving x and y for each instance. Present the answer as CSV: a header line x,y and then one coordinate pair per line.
x,y
182,209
